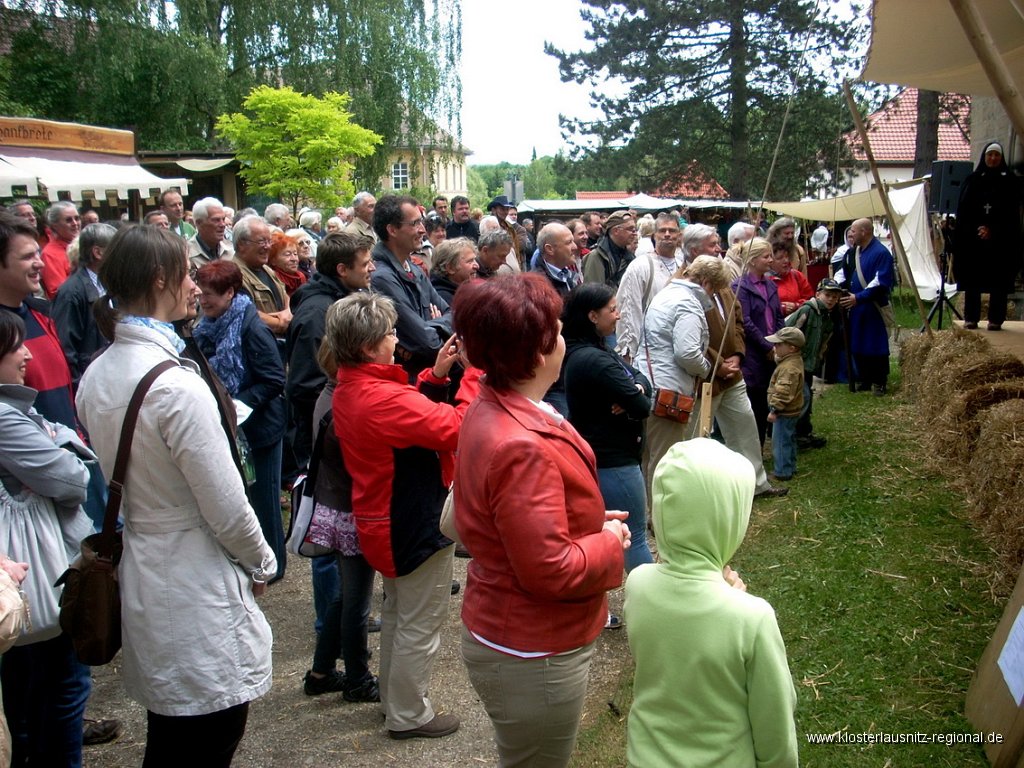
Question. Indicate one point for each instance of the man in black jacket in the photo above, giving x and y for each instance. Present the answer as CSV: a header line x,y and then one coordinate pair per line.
x,y
343,265
461,224
72,306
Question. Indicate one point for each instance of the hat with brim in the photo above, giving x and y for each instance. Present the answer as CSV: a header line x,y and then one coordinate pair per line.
x,y
828,284
501,200
616,219
787,335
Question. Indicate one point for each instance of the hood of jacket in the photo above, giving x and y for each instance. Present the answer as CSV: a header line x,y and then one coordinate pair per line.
x,y
319,285
701,497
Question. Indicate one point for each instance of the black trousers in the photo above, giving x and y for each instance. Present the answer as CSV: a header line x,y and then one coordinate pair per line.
x,y
996,306
759,405
197,741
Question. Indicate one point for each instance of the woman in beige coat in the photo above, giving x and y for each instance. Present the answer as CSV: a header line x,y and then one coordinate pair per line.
x,y
196,646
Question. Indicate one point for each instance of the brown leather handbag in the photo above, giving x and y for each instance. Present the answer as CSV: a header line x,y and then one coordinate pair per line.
x,y
90,604
672,405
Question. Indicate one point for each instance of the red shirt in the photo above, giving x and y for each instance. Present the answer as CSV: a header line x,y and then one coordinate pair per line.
x,y
56,266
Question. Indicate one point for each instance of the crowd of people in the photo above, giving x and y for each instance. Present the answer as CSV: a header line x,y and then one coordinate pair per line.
x,y
543,385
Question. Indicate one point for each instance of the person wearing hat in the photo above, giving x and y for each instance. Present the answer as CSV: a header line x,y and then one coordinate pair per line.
x,y
608,260
786,398
814,319
987,255
499,208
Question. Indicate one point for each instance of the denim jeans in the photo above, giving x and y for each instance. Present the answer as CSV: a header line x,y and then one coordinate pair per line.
x,y
326,583
344,630
623,488
45,689
265,497
784,446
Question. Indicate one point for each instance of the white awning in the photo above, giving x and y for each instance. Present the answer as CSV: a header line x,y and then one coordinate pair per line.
x,y
82,174
860,205
202,165
11,177
640,202
922,43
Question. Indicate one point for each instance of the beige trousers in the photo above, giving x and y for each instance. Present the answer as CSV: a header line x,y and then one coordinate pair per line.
x,y
415,609
534,704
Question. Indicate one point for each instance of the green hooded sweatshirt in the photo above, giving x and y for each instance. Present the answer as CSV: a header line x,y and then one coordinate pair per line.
x,y
712,685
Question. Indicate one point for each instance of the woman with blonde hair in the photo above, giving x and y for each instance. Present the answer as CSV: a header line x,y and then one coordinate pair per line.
x,y
762,316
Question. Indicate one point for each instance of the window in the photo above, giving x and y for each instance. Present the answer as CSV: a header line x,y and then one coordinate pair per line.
x,y
400,176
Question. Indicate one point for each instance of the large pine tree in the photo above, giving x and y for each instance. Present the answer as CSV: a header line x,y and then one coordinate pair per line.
x,y
707,82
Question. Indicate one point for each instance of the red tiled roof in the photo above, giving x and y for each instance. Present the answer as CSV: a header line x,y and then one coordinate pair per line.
x,y
892,131
602,195
697,187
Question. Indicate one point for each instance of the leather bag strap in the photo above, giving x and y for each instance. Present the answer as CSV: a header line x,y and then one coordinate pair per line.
x,y
107,538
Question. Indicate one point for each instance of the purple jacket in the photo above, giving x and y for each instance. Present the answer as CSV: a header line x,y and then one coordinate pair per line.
x,y
757,363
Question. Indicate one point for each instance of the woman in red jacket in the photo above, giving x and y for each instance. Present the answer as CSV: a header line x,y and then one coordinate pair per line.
x,y
397,442
529,509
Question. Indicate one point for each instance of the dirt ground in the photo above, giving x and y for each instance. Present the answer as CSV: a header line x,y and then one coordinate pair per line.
x,y
288,728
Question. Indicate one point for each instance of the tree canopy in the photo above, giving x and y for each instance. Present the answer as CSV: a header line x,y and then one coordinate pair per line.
x,y
297,147
167,70
708,81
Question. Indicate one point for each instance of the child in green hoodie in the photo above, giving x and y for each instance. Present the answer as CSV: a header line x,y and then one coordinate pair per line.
x,y
712,685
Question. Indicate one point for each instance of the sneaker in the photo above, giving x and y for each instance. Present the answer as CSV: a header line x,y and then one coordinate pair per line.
x,y
373,624
811,441
878,390
367,692
461,551
455,587
441,725
970,325
100,731
332,682
614,622
995,326
772,491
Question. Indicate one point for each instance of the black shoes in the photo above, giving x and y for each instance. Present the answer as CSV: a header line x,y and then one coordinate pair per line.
x,y
369,691
455,590
995,326
775,491
811,441
100,731
332,682
970,325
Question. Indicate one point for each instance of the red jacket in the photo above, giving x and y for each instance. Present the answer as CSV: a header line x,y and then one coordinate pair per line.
x,y
56,267
397,443
528,506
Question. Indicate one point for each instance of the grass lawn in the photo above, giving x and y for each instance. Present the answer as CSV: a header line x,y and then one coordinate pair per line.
x,y
886,598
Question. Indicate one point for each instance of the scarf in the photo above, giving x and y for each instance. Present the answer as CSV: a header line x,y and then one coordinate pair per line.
x,y
292,282
164,329
221,339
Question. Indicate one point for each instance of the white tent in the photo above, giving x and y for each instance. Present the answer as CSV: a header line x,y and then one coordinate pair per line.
x,y
79,179
11,177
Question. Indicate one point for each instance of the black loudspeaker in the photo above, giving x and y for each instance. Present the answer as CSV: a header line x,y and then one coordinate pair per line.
x,y
947,178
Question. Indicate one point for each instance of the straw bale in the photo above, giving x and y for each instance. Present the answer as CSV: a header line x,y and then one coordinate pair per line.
x,y
913,353
956,435
952,351
994,480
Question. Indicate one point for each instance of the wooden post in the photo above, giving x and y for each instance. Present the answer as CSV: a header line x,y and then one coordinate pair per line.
x,y
704,426
995,68
897,241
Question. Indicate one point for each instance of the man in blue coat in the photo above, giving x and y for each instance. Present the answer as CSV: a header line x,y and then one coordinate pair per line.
x,y
868,275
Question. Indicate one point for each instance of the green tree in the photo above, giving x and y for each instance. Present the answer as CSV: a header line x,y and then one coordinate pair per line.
x,y
539,179
708,81
477,187
297,147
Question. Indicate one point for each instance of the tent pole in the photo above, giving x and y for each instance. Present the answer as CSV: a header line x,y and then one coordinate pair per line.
x,y
995,68
883,193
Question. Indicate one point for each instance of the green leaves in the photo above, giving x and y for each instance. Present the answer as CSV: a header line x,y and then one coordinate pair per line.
x,y
297,147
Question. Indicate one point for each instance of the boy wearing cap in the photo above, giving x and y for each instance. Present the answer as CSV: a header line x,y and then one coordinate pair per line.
x,y
814,319
786,398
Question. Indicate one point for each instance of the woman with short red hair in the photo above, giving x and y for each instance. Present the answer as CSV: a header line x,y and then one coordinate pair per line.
x,y
284,260
529,510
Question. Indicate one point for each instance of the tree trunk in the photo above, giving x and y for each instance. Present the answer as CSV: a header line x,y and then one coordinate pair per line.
x,y
926,149
738,102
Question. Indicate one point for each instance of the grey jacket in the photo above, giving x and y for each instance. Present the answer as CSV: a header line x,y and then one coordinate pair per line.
x,y
676,338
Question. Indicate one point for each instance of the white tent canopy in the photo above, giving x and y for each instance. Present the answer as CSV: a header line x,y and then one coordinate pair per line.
x,y
922,43
640,202
12,177
78,178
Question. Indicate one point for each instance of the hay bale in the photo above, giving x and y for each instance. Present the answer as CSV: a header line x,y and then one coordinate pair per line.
x,y
957,431
952,351
913,353
994,481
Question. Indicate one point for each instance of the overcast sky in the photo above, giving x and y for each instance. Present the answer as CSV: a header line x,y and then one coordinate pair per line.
x,y
505,44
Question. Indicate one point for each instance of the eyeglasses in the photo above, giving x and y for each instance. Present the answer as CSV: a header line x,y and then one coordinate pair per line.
x,y
71,219
392,332
414,223
263,242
